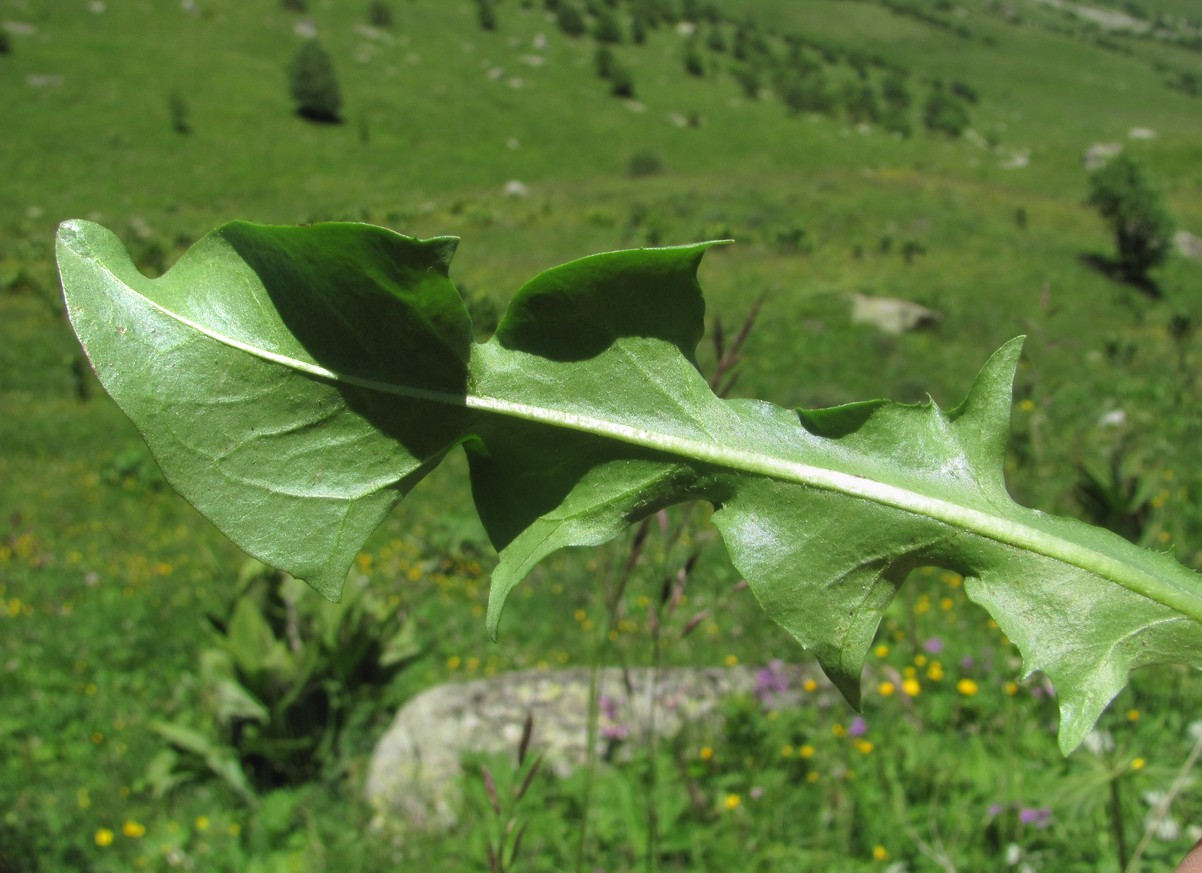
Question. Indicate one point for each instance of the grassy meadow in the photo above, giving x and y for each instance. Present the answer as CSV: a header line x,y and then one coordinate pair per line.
x,y
106,577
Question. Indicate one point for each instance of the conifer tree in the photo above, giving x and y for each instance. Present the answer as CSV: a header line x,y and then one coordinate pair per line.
x,y
314,87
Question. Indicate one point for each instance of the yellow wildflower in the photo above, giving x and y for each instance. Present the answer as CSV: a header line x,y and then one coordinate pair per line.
x,y
733,801
104,837
133,830
967,687
911,687
706,753
880,853
885,689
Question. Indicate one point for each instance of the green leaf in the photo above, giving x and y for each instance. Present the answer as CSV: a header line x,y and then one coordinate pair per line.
x,y
294,384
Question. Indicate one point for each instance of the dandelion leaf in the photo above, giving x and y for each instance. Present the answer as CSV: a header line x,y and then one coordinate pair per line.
x,y
295,383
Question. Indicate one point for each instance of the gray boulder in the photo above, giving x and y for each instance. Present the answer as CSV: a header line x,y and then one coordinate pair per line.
x,y
413,777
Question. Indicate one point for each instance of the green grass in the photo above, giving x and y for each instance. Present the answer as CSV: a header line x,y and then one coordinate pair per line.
x,y
105,576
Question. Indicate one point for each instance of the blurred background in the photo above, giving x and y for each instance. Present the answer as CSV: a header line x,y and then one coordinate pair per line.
x,y
909,184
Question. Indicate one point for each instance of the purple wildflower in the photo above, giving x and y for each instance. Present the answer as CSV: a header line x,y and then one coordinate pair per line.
x,y
771,681
995,809
858,727
611,727
1039,818
933,646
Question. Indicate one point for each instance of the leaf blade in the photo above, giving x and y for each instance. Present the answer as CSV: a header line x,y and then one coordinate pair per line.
x,y
586,412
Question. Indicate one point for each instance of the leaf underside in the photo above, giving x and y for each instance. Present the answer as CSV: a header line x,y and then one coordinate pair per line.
x,y
295,383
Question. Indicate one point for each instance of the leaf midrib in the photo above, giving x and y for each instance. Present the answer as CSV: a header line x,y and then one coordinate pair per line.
x,y
992,527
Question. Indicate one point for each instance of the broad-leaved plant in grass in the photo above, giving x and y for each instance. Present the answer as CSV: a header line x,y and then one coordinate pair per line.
x,y
295,383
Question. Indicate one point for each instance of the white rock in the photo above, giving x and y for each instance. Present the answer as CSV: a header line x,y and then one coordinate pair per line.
x,y
892,315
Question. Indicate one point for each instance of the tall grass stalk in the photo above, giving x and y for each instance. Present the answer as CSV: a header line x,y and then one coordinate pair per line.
x,y
1161,811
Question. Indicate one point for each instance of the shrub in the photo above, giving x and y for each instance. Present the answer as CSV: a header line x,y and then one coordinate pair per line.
x,y
603,60
295,5
570,19
964,91
944,113
621,81
638,29
177,109
694,64
897,120
379,14
895,92
486,14
861,104
805,93
314,87
645,163
716,42
606,28
748,79
6,45
1121,191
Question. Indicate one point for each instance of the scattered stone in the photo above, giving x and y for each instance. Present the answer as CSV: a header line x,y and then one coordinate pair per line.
x,y
412,780
40,80
1187,244
305,29
20,28
1099,153
892,315
515,188
1141,133
1016,160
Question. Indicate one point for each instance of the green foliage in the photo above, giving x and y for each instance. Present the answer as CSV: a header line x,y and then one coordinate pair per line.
x,y
805,92
570,19
621,81
645,163
694,63
379,14
317,374
1136,211
280,683
6,45
177,109
603,61
606,28
486,14
314,86
860,103
944,113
